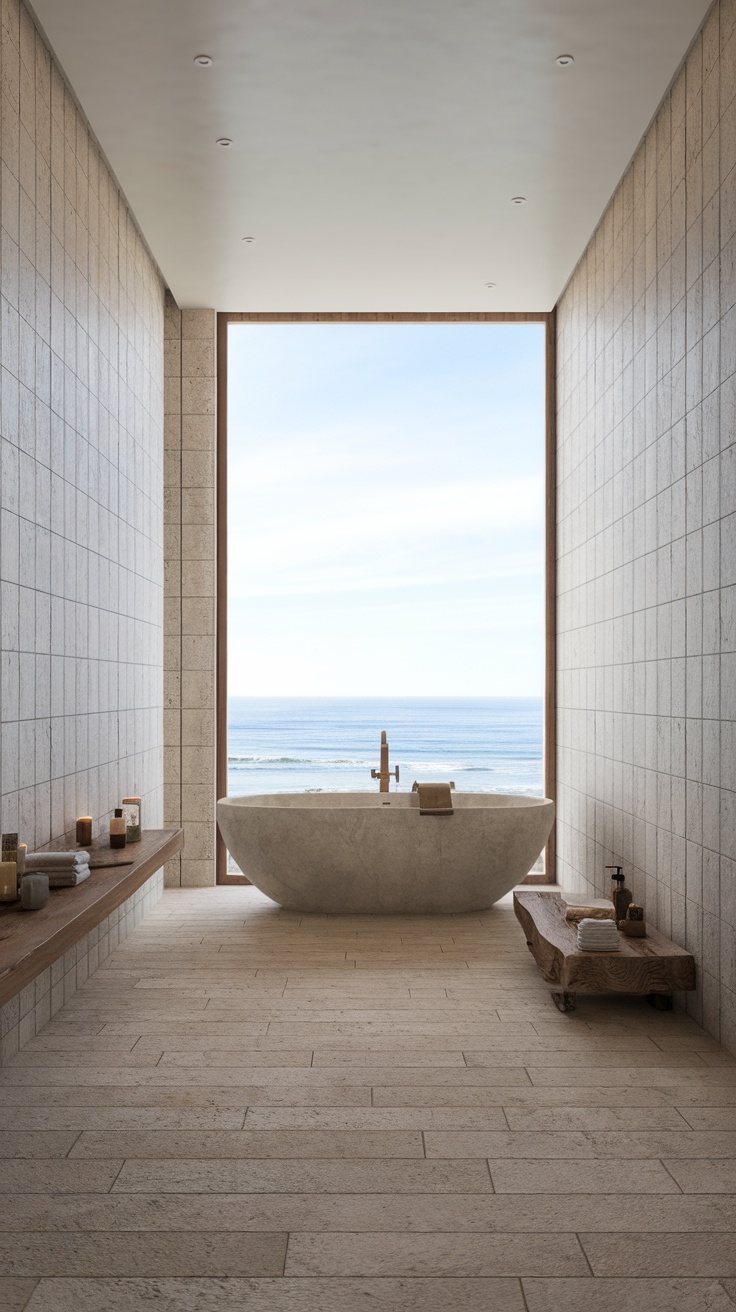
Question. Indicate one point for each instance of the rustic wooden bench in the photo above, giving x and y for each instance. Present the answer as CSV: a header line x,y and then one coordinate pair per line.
x,y
652,966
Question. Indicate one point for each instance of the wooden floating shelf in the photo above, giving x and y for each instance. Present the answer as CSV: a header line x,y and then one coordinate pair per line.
x,y
32,940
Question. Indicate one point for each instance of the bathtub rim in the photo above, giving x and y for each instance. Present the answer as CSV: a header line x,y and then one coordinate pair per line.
x,y
370,801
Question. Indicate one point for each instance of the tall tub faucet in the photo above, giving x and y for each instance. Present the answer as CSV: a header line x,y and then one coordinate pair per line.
x,y
384,774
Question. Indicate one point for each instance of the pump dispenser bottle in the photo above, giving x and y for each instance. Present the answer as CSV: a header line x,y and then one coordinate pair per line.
x,y
620,895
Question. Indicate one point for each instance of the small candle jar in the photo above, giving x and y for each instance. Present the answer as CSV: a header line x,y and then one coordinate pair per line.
x,y
8,881
132,816
84,830
34,892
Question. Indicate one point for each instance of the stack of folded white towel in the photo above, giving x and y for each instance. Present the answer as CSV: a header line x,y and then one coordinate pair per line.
x,y
598,936
64,869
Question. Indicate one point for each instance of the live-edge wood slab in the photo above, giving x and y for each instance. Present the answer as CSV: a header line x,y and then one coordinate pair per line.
x,y
31,940
652,965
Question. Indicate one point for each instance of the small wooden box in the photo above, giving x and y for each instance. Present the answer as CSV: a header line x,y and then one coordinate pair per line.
x,y
633,928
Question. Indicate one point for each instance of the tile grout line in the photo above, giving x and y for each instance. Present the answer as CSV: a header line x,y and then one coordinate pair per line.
x,y
72,1146
117,1177
681,1113
664,1166
585,1255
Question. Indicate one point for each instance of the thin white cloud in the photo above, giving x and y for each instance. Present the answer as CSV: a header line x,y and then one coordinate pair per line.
x,y
265,537
364,577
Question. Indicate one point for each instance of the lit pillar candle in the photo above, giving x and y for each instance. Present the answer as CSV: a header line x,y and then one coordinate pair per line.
x,y
84,830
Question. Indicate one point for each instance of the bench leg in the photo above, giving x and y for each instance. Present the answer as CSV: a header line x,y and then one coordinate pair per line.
x,y
564,1001
660,1001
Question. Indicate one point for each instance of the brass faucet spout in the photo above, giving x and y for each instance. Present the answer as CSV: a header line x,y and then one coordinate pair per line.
x,y
383,774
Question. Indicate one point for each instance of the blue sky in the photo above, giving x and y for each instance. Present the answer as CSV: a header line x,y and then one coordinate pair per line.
x,y
385,509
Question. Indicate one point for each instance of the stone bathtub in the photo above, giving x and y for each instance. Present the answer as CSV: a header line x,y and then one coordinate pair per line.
x,y
373,853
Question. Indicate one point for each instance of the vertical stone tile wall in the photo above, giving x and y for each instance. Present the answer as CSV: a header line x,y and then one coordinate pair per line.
x,y
190,544
646,640
81,465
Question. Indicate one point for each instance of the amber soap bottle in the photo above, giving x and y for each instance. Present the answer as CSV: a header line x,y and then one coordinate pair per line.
x,y
117,828
620,895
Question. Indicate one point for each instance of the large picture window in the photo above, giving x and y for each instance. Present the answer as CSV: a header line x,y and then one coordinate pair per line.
x,y
383,561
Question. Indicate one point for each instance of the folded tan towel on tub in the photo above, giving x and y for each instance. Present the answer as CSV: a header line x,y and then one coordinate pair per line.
x,y
435,799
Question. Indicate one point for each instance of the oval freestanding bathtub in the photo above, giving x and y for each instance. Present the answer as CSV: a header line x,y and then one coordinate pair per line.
x,y
373,853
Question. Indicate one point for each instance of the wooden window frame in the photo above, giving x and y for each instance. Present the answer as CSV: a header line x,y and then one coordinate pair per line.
x,y
549,747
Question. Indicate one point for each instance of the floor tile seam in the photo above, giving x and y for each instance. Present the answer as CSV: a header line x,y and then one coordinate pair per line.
x,y
187,1230
398,1234
643,1233
197,1199
113,1182
689,1125
664,1166
585,1255
67,1154
650,1280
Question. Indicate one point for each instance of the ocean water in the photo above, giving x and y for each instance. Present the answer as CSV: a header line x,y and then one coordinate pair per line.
x,y
299,744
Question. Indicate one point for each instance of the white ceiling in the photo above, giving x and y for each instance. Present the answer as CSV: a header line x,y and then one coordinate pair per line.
x,y
377,143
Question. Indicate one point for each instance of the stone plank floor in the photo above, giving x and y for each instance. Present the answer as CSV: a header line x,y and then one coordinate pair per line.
x,y
252,1109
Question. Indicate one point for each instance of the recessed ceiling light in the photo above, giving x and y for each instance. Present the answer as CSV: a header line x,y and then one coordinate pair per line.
x,y
247,238
204,61
564,60
224,142
518,200
490,284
